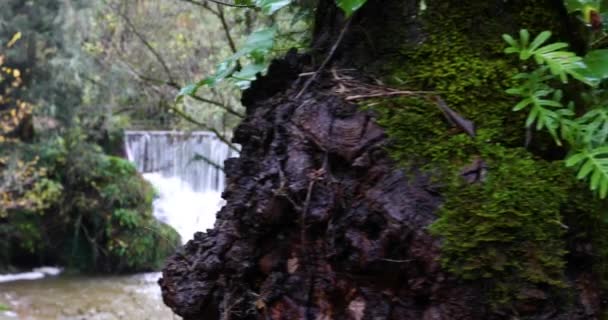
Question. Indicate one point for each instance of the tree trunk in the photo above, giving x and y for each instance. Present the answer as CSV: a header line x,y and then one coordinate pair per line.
x,y
320,222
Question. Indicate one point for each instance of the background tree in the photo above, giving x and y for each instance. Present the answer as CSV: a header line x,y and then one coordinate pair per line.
x,y
63,199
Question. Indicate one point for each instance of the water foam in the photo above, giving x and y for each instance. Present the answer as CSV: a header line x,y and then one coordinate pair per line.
x,y
35,274
189,188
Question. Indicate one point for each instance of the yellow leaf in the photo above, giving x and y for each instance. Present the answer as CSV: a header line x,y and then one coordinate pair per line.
x,y
16,73
14,39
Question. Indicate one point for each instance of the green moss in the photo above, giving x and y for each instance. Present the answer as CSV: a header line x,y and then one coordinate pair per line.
x,y
510,227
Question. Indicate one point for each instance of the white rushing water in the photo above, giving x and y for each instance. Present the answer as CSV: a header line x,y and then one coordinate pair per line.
x,y
37,273
188,186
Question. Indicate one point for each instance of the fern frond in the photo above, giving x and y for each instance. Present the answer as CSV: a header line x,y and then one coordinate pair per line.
x,y
561,63
593,167
594,127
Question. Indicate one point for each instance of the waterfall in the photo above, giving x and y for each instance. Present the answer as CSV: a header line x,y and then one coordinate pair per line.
x,y
177,165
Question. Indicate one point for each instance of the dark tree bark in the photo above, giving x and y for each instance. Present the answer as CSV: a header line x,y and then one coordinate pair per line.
x,y
319,223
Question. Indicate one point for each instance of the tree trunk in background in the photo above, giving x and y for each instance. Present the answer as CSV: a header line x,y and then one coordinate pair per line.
x,y
319,221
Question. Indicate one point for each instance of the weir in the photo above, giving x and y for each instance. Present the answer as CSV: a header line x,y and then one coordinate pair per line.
x,y
185,169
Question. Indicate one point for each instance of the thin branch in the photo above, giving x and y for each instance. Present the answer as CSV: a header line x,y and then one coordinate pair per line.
x,y
218,104
204,5
171,82
327,59
226,28
387,94
190,119
177,87
158,57
198,157
221,3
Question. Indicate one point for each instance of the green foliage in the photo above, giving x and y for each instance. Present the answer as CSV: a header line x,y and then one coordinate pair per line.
x,y
126,218
585,135
271,6
559,62
92,212
267,6
583,6
597,68
255,49
593,165
507,229
145,246
350,6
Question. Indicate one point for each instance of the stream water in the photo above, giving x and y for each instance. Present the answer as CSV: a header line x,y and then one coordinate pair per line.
x,y
188,187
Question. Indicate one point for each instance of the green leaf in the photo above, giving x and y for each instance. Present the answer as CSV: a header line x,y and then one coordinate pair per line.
x,y
575,159
540,39
261,40
551,47
222,71
603,190
271,6
248,74
192,89
250,71
508,39
593,165
532,117
595,180
188,90
585,170
524,37
579,5
597,65
350,6
522,104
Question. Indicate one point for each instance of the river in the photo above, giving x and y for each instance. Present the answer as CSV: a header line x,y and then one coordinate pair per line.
x,y
189,192
132,297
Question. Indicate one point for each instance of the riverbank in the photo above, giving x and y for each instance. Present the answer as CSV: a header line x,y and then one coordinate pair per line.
x,y
71,297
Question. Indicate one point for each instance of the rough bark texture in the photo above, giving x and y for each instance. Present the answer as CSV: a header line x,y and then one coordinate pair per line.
x,y
319,223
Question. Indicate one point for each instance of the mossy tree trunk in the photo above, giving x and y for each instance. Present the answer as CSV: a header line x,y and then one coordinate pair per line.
x,y
329,206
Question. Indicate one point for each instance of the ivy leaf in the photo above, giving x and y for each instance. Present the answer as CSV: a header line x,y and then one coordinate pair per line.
x,y
350,6
271,6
